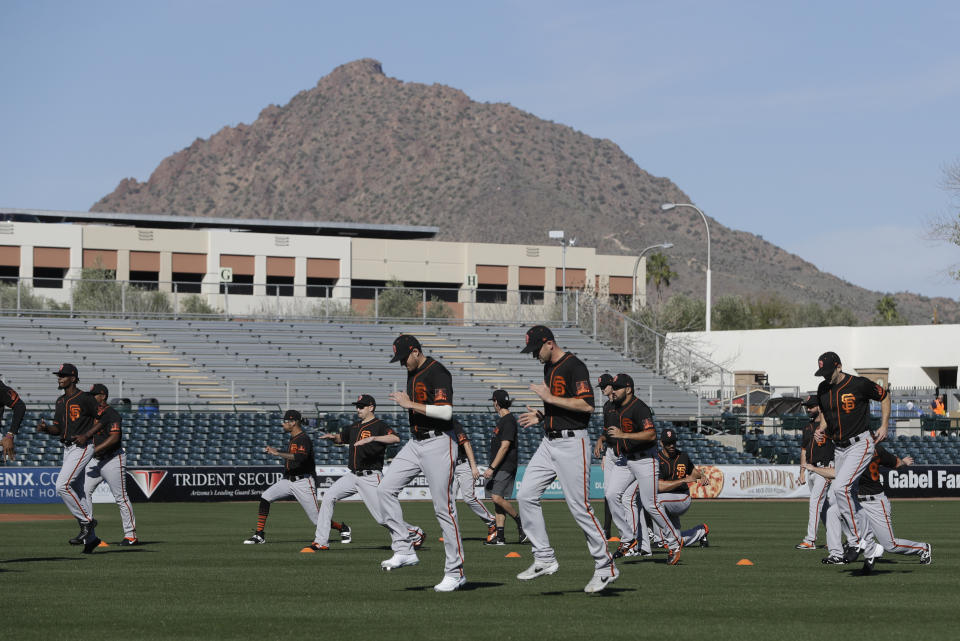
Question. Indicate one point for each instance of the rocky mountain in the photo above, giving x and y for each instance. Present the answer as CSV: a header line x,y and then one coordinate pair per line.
x,y
363,147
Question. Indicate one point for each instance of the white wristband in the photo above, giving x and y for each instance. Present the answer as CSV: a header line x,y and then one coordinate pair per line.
x,y
443,412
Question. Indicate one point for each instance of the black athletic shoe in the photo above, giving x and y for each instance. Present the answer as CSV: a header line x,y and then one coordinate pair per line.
x,y
834,560
85,528
91,545
127,541
851,554
867,566
523,537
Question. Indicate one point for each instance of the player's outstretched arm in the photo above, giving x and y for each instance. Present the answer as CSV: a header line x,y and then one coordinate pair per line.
x,y
530,417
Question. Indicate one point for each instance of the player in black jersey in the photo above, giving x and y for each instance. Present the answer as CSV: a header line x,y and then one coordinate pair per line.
x,y
367,442
299,476
818,451
501,474
74,414
10,398
677,471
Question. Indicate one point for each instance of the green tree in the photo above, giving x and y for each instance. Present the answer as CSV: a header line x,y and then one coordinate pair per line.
x,y
29,300
887,312
659,272
731,312
397,301
195,304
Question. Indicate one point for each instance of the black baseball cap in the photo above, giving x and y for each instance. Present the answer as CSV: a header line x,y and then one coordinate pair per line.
x,y
501,396
827,363
605,379
403,345
99,388
293,415
364,400
622,380
669,436
536,337
67,370
811,401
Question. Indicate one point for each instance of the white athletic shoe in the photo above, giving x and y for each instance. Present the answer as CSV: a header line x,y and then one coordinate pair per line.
x,y
537,570
602,578
450,583
257,539
926,557
399,561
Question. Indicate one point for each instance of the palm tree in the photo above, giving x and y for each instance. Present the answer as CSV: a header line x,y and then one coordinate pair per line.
x,y
658,271
887,312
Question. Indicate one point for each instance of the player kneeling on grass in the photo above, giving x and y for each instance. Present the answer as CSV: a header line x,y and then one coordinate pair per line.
x,y
677,471
367,439
298,480
875,511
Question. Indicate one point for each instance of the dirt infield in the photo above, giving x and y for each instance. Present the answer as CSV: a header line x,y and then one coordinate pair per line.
x,y
27,518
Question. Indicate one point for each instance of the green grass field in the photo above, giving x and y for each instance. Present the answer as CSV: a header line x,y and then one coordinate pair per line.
x,y
192,579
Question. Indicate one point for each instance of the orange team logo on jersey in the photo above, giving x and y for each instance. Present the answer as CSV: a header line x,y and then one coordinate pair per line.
x,y
297,449
13,397
648,424
583,387
874,469
74,411
848,402
626,424
681,470
558,387
441,395
420,393
364,434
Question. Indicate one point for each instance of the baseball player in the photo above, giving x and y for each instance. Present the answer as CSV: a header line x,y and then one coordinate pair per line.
x,y
600,450
634,439
109,462
367,440
844,402
10,398
432,451
74,414
816,451
501,474
620,494
677,471
875,509
299,471
564,454
465,477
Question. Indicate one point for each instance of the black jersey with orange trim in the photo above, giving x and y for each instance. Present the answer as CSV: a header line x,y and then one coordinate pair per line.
x,y
462,437
368,456
870,479
674,468
10,398
846,405
429,384
505,430
110,423
632,417
303,461
567,378
74,415
819,452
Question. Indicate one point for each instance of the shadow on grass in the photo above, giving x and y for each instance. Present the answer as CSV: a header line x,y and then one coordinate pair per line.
x,y
36,559
471,585
609,592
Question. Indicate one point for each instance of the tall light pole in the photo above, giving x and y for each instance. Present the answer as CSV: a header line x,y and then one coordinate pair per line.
x,y
563,258
636,266
668,207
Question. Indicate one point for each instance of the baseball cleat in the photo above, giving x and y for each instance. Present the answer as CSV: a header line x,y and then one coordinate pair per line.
x,y
851,554
704,543
803,545
601,579
450,583
90,545
867,565
346,534
538,569
834,560
314,547
523,537
624,548
645,553
399,561
421,536
257,538
494,541
926,557
675,554
127,541
86,527
491,531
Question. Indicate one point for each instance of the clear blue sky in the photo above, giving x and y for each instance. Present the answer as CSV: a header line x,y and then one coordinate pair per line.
x,y
822,126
